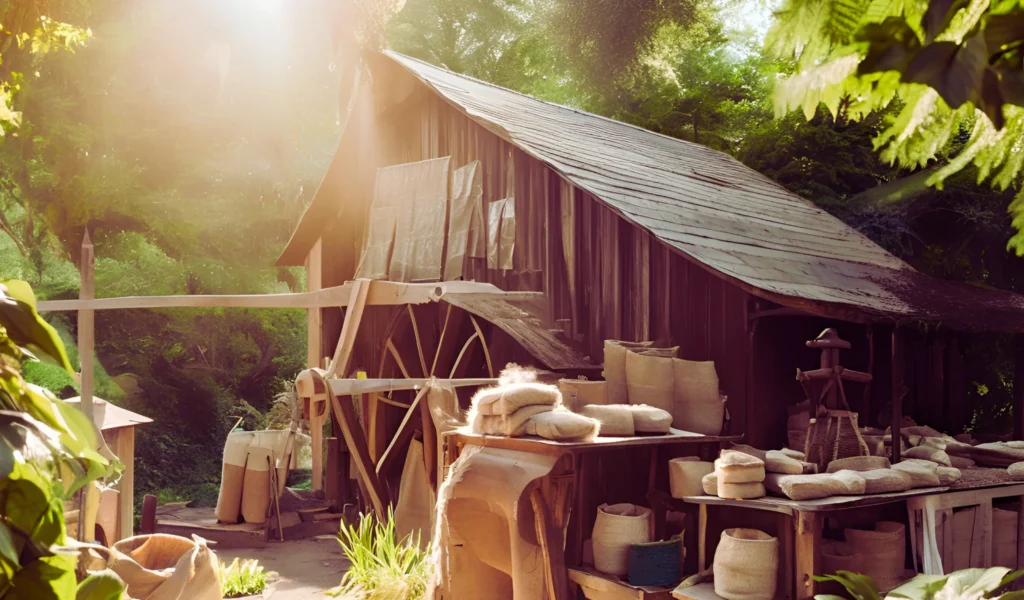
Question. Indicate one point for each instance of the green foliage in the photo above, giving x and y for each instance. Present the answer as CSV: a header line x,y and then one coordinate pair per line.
x,y
46,454
381,566
968,583
50,377
953,67
242,578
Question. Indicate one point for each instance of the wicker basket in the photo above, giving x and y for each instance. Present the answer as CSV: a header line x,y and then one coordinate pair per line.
x,y
834,435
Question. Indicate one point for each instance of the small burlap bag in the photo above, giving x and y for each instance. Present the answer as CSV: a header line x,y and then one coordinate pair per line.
x,y
697,404
922,473
618,526
649,379
738,467
615,368
229,501
615,419
746,565
577,393
709,483
884,481
858,463
256,484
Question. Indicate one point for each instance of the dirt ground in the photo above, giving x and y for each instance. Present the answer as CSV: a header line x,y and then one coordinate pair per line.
x,y
305,568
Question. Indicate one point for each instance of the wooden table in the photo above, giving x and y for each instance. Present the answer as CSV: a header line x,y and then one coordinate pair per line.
x,y
799,531
582,503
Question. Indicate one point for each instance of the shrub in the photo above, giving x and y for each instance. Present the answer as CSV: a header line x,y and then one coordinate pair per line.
x,y
242,578
382,568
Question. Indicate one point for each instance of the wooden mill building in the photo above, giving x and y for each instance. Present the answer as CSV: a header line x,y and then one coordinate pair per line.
x,y
621,233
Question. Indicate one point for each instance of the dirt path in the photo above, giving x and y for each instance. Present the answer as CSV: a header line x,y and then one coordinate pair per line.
x,y
305,567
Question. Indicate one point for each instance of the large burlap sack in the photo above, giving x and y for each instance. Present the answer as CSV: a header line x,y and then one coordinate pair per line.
x,y
513,425
921,475
414,510
618,526
685,475
577,393
229,500
778,462
648,419
166,567
256,484
615,368
562,424
507,399
649,380
738,467
882,552
885,481
615,419
858,463
930,453
746,565
812,487
697,405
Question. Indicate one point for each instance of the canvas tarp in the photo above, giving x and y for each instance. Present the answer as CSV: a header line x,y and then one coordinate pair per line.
x,y
466,218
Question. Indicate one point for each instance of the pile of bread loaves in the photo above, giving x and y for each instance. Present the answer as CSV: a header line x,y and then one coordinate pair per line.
x,y
743,472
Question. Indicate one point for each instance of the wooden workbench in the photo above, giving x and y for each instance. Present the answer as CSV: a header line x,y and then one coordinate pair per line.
x,y
585,470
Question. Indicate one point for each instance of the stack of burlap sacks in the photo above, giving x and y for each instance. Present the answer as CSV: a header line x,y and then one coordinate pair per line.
x,y
519,406
245,485
637,373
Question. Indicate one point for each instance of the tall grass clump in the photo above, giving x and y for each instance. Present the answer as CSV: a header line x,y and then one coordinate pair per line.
x,y
245,578
382,567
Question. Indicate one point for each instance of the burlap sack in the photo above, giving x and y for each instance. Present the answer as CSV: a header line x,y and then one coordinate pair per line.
x,y
709,483
858,463
885,481
685,475
414,509
648,419
1016,471
561,424
577,393
737,467
649,380
740,491
746,565
812,487
697,404
229,501
778,462
506,399
615,419
929,453
615,368
618,526
794,454
166,567
920,475
948,475
959,462
513,425
256,485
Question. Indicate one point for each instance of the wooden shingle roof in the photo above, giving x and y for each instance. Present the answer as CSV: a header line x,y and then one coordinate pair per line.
x,y
722,214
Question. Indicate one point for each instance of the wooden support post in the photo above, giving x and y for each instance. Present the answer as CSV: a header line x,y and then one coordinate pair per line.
x,y
808,553
899,390
1018,386
86,342
314,356
429,441
1020,533
126,487
332,490
551,542
345,415
148,523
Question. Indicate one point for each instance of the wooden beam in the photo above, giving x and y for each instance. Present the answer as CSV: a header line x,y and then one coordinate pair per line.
x,y
86,342
394,453
332,489
314,357
350,327
551,543
345,416
126,486
899,390
342,387
1018,386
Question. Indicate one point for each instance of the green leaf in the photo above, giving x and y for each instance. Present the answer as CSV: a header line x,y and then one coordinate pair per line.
x,y
892,45
938,16
24,325
954,71
103,585
920,587
8,552
47,578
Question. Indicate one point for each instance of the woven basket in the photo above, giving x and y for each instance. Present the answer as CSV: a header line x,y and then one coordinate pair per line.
x,y
619,526
746,565
832,436
881,552
655,563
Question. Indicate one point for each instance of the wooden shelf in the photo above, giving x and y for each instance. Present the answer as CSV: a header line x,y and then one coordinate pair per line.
x,y
609,587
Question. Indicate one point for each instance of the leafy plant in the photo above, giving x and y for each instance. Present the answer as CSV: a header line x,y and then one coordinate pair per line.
x,y
46,454
967,584
242,578
381,567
